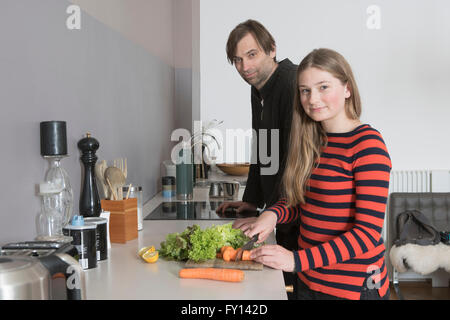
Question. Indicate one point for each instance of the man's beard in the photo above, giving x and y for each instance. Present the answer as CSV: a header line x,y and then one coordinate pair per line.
x,y
262,75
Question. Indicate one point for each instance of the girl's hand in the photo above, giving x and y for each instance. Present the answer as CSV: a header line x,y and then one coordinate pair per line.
x,y
274,256
244,223
263,225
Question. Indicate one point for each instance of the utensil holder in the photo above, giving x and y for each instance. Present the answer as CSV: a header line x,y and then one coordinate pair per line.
x,y
122,220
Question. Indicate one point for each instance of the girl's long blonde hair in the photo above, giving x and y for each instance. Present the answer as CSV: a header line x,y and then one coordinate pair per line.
x,y
307,137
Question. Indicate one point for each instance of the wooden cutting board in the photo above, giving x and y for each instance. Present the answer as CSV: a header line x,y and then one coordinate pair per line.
x,y
219,263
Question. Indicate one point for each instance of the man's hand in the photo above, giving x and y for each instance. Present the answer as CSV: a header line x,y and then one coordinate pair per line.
x,y
239,205
274,256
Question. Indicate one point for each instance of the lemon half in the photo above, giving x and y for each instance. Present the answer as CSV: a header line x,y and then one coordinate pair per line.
x,y
146,249
150,256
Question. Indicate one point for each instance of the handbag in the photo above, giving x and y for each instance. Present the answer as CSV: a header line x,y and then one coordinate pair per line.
x,y
414,227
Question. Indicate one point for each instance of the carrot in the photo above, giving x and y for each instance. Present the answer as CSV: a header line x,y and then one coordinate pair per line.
x,y
229,254
219,255
246,255
231,275
224,248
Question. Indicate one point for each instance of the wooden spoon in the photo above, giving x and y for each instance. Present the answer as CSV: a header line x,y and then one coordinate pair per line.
x,y
100,168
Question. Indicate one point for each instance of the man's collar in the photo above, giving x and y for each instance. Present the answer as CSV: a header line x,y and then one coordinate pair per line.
x,y
267,88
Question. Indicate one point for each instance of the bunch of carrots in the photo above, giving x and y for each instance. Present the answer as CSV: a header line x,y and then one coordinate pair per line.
x,y
228,253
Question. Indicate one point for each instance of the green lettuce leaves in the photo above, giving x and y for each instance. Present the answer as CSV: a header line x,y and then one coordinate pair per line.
x,y
200,245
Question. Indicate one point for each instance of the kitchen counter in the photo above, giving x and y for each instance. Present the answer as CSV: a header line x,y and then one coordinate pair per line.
x,y
124,275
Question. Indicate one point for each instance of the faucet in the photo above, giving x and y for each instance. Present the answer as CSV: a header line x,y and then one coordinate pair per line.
x,y
201,170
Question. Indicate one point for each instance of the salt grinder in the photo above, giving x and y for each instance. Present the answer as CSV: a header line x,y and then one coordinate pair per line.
x,y
90,205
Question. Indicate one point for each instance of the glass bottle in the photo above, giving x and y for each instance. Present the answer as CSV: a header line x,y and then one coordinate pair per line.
x,y
135,192
49,221
59,177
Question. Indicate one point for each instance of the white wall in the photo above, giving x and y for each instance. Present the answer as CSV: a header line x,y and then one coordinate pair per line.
x,y
402,69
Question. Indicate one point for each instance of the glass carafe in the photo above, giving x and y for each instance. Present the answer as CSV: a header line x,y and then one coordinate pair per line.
x,y
49,221
57,176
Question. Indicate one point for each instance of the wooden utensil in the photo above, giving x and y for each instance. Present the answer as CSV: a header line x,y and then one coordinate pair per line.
x,y
122,165
112,190
100,168
116,179
128,193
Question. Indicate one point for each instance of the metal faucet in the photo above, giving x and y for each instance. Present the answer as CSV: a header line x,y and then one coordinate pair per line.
x,y
201,169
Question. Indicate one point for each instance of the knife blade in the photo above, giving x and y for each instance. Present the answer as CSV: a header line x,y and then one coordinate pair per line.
x,y
247,246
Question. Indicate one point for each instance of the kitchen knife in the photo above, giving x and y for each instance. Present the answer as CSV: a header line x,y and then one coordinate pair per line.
x,y
247,246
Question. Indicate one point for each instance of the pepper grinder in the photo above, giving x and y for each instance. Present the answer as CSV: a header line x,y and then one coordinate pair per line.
x,y
90,205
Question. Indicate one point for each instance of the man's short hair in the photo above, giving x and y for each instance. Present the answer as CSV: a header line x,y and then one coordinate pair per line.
x,y
259,32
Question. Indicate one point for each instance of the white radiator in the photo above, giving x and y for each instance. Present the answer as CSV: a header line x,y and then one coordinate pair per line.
x,y
419,181
410,181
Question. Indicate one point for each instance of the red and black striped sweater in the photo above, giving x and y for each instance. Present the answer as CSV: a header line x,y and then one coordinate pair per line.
x,y
340,243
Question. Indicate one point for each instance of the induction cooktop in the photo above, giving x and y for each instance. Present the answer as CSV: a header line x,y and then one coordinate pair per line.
x,y
195,210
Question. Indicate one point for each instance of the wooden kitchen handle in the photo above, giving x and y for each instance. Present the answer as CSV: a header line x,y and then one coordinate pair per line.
x,y
112,190
290,288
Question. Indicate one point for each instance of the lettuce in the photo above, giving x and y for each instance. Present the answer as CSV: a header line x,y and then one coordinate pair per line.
x,y
229,236
177,245
199,245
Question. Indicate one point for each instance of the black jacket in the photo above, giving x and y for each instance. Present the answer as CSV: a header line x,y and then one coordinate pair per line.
x,y
274,113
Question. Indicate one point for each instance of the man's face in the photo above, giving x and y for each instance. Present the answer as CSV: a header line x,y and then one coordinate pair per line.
x,y
252,63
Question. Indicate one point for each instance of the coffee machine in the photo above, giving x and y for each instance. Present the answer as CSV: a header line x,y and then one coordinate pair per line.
x,y
29,271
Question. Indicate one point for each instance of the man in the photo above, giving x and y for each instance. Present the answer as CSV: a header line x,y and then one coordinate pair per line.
x,y
251,48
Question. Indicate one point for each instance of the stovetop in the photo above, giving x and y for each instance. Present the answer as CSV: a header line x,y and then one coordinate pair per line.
x,y
195,210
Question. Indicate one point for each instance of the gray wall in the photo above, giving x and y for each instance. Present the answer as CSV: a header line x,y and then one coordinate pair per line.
x,y
95,79
183,57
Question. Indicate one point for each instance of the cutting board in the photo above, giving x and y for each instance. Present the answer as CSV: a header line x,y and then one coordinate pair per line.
x,y
219,263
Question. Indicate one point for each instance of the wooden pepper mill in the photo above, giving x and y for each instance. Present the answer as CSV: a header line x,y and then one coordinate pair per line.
x,y
90,205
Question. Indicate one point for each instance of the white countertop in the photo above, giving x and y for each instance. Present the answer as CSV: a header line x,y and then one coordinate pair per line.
x,y
124,275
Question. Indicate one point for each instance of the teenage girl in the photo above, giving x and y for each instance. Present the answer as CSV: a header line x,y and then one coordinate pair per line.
x,y
336,183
